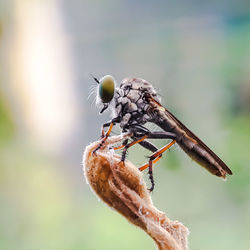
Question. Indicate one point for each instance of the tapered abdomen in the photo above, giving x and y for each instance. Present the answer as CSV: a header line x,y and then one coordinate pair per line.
x,y
189,142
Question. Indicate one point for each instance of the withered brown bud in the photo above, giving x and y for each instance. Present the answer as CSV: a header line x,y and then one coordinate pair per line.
x,y
122,187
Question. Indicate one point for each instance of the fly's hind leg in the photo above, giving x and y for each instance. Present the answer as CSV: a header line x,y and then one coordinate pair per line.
x,y
148,145
154,158
157,154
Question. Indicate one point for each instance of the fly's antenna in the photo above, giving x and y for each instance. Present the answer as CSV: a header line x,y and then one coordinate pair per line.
x,y
95,79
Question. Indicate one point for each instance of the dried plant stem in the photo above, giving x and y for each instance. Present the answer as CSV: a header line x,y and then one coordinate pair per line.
x,y
122,187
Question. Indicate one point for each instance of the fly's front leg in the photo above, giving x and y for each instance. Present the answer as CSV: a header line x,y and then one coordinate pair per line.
x,y
105,136
108,124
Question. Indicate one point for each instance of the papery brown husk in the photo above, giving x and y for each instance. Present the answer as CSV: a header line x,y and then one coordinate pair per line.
x,y
122,187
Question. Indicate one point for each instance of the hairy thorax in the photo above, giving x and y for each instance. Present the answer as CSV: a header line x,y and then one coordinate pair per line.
x,y
130,102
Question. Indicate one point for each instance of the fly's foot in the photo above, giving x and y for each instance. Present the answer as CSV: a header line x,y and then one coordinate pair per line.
x,y
98,147
94,151
152,182
123,162
151,178
152,186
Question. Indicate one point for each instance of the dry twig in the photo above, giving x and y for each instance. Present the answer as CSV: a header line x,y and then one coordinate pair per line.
x,y
123,188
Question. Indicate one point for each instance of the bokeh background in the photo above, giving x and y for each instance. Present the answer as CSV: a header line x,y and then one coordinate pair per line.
x,y
197,54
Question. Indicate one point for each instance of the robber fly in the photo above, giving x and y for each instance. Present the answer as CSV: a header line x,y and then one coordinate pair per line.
x,y
135,103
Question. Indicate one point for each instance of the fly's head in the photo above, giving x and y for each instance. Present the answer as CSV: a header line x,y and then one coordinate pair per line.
x,y
105,91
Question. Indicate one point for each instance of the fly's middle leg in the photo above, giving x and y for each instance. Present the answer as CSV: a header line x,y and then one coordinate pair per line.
x,y
128,145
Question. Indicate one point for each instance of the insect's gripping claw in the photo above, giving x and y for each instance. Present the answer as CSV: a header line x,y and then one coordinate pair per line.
x,y
152,187
123,157
122,162
104,138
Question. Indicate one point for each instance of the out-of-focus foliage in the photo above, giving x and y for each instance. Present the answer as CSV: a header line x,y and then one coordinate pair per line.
x,y
6,123
197,55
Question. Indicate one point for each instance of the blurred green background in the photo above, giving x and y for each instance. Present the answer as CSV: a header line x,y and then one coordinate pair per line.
x,y
197,54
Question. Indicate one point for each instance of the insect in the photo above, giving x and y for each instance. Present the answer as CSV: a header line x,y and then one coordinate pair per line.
x,y
135,103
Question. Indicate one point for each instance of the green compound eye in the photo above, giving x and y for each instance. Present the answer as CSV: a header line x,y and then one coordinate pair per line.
x,y
106,88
